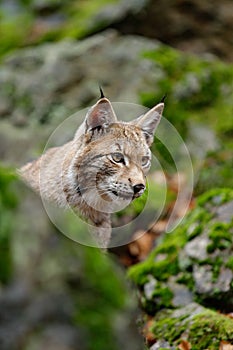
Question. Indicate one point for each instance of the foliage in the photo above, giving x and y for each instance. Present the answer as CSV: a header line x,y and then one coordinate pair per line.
x,y
8,202
75,19
13,34
81,14
198,90
216,170
162,262
195,88
101,296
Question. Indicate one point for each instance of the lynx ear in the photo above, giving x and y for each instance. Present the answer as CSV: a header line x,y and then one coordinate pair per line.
x,y
149,121
101,114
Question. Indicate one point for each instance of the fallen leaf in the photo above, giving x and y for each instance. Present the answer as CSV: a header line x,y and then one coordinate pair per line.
x,y
148,334
142,245
177,181
159,226
184,345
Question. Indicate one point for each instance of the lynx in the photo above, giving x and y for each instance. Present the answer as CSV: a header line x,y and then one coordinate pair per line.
x,y
101,169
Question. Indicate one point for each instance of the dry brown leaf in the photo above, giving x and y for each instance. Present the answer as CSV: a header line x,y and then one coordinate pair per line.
x,y
148,334
177,181
184,345
159,227
224,345
142,245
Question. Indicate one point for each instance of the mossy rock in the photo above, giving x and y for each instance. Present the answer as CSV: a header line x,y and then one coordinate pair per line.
x,y
73,20
198,92
194,262
216,170
196,88
200,327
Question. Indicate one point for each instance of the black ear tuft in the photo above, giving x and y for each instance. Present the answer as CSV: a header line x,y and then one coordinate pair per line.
x,y
163,98
101,92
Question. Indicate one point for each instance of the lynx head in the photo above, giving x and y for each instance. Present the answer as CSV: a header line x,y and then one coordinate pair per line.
x,y
111,166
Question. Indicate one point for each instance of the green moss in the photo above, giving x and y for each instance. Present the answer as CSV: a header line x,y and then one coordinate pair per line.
x,y
229,263
208,329
78,21
197,90
196,221
216,196
168,327
216,169
204,330
190,82
186,279
101,295
139,272
216,267
80,18
161,298
172,242
169,259
163,261
12,32
8,202
220,236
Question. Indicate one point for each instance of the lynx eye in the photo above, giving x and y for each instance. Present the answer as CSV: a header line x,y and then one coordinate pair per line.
x,y
118,157
145,161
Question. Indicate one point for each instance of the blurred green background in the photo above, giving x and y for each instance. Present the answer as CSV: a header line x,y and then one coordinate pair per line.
x,y
54,293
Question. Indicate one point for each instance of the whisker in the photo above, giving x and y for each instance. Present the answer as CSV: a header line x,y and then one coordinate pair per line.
x,y
89,188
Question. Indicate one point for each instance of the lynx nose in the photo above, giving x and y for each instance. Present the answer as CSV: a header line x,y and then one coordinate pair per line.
x,y
138,188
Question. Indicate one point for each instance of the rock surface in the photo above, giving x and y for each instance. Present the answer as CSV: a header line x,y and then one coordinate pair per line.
x,y
65,76
188,25
65,79
46,84
192,264
192,327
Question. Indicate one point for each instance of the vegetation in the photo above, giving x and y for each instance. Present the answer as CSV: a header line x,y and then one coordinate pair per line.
x,y
199,91
201,328
8,202
200,88
69,19
171,260
100,299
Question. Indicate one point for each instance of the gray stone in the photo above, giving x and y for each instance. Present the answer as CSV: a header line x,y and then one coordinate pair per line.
x,y
182,296
224,213
225,278
64,72
46,84
196,248
149,287
161,344
203,278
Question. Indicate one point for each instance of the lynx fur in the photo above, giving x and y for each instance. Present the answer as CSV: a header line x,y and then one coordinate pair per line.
x,y
104,166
